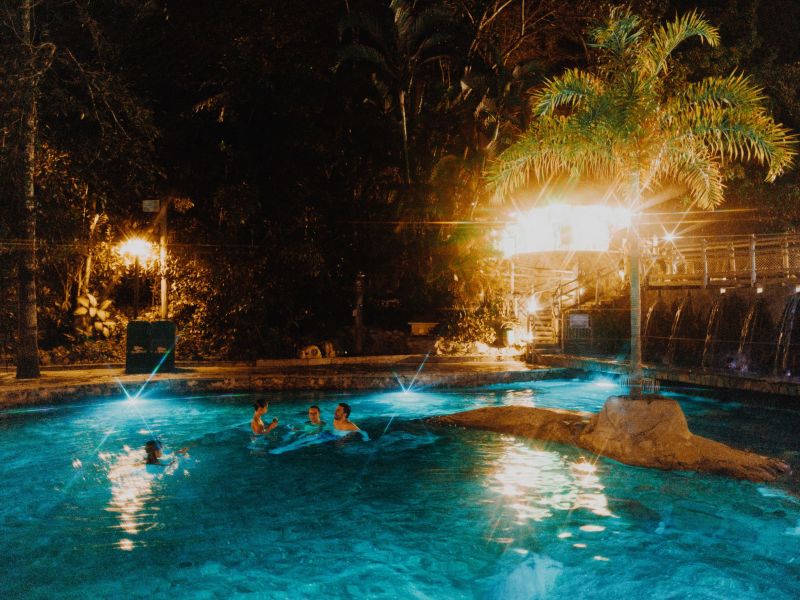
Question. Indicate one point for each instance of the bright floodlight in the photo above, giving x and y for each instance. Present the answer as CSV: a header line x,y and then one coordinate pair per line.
x,y
561,227
136,249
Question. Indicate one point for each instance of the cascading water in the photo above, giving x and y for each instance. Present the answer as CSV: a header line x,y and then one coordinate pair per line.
x,y
711,334
723,332
784,361
756,342
656,330
684,309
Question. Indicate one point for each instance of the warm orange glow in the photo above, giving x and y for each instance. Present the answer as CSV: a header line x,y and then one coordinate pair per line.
x,y
561,227
136,249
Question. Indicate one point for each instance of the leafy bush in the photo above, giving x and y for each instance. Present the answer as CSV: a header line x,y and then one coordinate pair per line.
x,y
479,326
93,318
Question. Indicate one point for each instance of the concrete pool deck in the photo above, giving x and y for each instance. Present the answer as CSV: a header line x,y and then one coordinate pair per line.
x,y
70,383
63,384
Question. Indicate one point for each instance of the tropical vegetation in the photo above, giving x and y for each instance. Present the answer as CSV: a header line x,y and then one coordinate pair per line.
x,y
298,147
632,125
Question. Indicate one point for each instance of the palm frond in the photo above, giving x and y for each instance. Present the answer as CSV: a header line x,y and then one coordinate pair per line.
x,y
366,55
735,90
402,12
361,24
429,23
669,36
618,33
572,88
551,147
437,45
689,162
756,137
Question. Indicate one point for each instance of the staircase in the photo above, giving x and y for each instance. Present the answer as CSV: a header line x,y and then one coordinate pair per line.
x,y
544,331
561,298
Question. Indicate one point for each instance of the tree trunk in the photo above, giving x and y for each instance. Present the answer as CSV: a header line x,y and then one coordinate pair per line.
x,y
634,256
405,136
28,343
636,316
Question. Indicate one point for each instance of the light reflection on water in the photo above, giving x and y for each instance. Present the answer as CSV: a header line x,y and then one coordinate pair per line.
x,y
133,494
538,483
415,523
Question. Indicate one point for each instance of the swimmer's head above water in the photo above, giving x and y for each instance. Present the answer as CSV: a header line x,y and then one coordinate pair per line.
x,y
313,415
343,410
257,425
153,450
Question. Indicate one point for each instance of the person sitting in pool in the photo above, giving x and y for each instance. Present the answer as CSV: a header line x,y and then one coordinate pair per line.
x,y
341,419
257,425
314,423
156,457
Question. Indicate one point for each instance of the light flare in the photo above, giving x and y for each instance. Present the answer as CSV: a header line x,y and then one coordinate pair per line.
x,y
561,227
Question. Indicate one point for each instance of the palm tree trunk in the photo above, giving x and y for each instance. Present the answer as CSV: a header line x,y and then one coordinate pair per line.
x,y
635,374
634,256
405,135
28,343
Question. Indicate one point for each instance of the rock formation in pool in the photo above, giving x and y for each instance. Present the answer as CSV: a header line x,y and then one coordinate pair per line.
x,y
645,432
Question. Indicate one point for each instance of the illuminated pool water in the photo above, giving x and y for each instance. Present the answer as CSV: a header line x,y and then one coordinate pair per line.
x,y
416,512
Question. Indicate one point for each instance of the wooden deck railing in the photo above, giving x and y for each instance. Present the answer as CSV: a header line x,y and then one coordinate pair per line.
x,y
735,261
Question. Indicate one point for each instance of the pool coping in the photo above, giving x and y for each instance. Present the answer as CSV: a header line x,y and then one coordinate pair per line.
x,y
343,374
707,378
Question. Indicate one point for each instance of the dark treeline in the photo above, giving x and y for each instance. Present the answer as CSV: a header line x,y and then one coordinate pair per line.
x,y
298,144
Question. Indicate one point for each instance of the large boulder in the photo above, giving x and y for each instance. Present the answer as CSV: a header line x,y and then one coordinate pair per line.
x,y
646,432
652,432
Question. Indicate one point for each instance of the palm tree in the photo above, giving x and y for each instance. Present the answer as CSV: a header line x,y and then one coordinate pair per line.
x,y
631,125
397,46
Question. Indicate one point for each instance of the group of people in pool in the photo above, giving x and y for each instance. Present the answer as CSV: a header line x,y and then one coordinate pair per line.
x,y
341,419
315,424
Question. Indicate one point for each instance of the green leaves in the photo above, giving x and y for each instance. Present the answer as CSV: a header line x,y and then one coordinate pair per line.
x,y
93,317
625,122
665,38
575,88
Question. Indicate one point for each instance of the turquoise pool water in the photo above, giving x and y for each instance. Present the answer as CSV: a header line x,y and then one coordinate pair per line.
x,y
415,512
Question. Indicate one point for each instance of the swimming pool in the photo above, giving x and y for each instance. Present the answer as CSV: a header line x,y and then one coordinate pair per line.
x,y
415,512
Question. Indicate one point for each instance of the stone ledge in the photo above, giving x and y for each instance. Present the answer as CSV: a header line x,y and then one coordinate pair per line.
x,y
641,432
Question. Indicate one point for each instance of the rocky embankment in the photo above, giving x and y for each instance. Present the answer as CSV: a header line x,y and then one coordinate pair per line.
x,y
649,432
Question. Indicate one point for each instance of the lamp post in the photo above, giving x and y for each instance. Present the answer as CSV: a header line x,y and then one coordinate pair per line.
x,y
136,250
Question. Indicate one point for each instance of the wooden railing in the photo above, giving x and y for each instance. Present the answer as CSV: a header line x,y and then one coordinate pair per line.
x,y
733,261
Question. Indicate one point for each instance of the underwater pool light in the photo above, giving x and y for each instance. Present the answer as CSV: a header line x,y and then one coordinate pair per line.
x,y
605,383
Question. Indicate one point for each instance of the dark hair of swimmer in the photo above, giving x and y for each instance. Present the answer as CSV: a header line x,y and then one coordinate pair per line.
x,y
151,448
314,407
346,409
260,403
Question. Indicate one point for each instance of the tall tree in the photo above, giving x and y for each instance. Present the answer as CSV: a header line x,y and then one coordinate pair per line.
x,y
399,44
82,149
628,124
32,60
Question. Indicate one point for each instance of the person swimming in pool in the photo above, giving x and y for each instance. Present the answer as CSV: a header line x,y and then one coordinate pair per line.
x,y
156,457
257,425
341,419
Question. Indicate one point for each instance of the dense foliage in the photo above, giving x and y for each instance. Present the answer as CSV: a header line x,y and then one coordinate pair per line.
x,y
300,145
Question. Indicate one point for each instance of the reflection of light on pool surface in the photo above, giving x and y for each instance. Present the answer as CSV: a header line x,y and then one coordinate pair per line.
x,y
537,483
421,511
131,491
